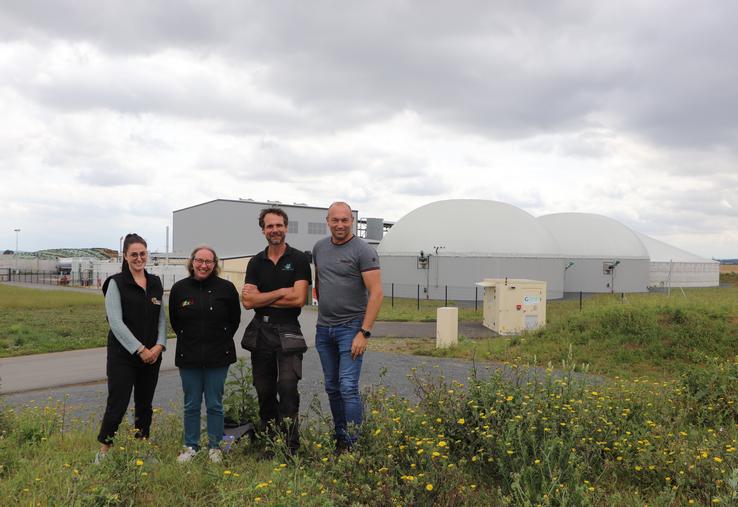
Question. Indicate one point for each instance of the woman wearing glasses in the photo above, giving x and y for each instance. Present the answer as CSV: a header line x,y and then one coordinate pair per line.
x,y
136,340
205,312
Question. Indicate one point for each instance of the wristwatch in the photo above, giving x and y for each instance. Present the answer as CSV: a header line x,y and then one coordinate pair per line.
x,y
365,332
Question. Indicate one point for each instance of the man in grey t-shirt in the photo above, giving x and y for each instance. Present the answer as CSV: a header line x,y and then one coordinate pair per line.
x,y
349,289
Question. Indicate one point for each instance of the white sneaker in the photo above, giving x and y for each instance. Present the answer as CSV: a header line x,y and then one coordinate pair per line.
x,y
215,455
99,457
186,455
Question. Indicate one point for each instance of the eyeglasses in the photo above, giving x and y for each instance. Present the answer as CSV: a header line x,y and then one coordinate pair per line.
x,y
138,255
207,262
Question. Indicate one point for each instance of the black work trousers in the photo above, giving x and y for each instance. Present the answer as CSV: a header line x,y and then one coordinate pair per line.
x,y
128,373
275,378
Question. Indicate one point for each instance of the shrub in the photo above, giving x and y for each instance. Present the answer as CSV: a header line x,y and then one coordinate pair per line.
x,y
239,400
709,393
534,438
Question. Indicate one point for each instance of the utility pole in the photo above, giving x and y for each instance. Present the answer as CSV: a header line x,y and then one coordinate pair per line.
x,y
17,234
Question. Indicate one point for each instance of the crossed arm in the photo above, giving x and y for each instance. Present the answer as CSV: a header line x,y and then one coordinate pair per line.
x,y
286,297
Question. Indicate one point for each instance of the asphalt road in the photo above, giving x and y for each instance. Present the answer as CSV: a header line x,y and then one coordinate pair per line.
x,y
392,370
78,377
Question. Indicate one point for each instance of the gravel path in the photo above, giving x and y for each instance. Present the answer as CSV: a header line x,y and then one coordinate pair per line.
x,y
88,400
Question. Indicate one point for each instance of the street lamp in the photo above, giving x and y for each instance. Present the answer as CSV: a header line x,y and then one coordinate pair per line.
x,y
437,248
566,268
17,234
612,275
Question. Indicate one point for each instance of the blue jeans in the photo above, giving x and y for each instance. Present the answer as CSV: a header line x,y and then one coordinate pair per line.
x,y
197,382
341,374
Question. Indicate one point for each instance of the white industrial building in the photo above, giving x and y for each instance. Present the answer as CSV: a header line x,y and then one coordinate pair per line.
x,y
231,227
673,267
456,243
450,245
601,254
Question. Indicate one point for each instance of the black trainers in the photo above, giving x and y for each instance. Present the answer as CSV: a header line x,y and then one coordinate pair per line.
x,y
342,447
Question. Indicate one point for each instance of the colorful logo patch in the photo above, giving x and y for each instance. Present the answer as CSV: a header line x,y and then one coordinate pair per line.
x,y
187,302
155,301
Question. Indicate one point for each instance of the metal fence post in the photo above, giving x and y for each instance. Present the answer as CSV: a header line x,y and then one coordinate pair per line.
x,y
445,300
580,301
393,295
418,296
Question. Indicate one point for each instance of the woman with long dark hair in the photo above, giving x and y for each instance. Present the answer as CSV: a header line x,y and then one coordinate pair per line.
x,y
204,311
137,337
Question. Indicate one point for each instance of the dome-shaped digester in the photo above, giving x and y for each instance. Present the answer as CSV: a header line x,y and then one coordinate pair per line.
x,y
673,267
601,254
451,245
470,227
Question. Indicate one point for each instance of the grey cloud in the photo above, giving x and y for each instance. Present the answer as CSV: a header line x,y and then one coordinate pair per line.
x,y
432,185
530,200
119,26
277,160
109,175
707,210
137,88
587,144
661,71
274,160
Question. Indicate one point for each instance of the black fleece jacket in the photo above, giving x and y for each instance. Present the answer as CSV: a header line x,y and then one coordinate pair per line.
x,y
205,315
140,309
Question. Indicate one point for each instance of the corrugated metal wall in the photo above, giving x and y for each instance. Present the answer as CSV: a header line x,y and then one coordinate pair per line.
x,y
232,229
461,274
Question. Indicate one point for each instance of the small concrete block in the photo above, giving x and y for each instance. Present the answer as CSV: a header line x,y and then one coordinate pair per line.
x,y
447,327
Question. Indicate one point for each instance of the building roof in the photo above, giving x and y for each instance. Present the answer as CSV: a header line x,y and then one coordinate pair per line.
x,y
663,252
587,235
469,228
266,204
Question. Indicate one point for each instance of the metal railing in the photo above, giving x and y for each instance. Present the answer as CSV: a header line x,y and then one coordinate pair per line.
x,y
467,296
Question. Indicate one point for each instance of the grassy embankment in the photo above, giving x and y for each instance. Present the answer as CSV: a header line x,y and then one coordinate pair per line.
x,y
35,321
648,335
555,440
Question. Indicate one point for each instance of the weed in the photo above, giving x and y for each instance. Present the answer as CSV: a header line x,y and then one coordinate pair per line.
x,y
651,336
239,401
556,438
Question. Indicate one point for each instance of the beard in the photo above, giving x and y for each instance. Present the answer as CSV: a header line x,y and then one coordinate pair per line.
x,y
276,239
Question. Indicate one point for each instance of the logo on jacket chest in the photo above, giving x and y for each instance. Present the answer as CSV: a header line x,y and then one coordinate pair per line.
x,y
155,301
288,267
187,302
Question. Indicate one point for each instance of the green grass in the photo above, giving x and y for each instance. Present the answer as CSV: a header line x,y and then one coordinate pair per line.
x,y
35,321
642,335
406,310
731,278
549,440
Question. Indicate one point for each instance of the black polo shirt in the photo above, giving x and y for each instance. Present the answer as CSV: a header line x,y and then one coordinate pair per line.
x,y
292,266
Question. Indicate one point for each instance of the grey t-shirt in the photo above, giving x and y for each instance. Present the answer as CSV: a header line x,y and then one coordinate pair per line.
x,y
342,295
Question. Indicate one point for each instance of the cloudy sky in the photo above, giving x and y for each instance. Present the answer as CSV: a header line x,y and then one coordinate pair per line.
x,y
114,114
